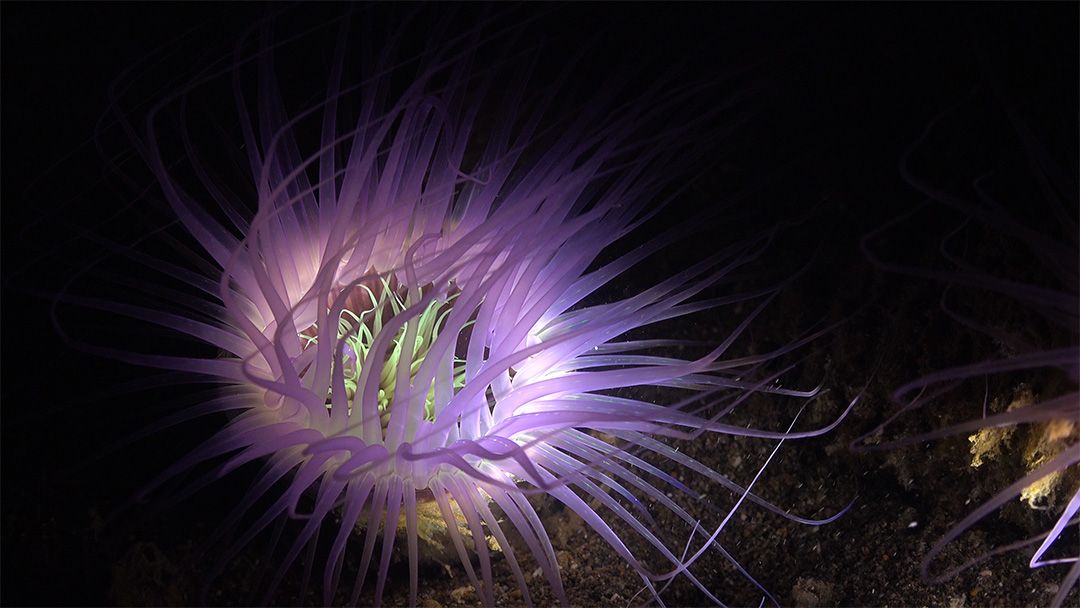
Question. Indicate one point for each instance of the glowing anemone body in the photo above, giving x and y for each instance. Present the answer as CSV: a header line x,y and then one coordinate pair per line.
x,y
403,318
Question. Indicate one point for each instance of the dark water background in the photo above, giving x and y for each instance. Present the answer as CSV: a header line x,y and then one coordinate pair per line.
x,y
845,89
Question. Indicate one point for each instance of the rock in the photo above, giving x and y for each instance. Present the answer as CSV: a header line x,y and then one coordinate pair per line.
x,y
461,594
564,559
812,592
146,577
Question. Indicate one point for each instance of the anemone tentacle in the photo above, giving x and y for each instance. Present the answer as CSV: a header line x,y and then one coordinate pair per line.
x,y
1054,298
411,316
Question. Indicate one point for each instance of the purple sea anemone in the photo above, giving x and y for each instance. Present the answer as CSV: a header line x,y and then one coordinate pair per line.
x,y
406,300
1011,275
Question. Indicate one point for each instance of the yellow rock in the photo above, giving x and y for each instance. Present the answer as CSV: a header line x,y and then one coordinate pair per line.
x,y
1044,442
432,534
1047,442
987,443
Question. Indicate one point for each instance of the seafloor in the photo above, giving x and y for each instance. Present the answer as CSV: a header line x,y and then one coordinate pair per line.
x,y
858,88
59,548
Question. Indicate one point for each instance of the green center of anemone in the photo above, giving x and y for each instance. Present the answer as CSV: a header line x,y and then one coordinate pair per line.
x,y
359,326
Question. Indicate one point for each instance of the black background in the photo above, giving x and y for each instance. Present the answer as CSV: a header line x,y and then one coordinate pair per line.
x,y
847,89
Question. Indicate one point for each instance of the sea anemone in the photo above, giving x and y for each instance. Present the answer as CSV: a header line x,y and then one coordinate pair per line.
x,y
1000,251
407,303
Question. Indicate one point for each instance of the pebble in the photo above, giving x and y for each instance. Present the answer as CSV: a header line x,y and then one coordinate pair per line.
x,y
459,594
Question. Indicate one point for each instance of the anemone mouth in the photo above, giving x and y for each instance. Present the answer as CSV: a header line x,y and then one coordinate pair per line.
x,y
363,309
